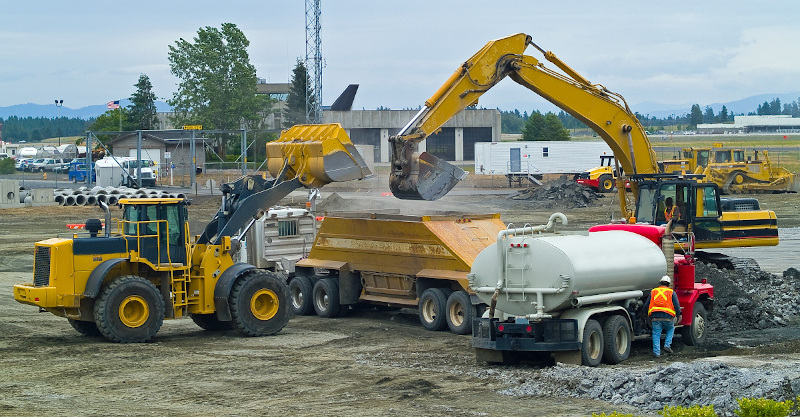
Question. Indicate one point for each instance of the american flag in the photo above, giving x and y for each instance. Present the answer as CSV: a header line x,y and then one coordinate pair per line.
x,y
112,105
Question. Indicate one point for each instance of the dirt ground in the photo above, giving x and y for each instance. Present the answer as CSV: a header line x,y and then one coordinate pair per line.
x,y
366,363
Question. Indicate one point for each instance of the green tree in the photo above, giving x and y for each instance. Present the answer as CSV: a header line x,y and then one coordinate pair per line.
x,y
296,102
511,122
708,115
723,115
696,116
218,83
110,122
544,127
143,105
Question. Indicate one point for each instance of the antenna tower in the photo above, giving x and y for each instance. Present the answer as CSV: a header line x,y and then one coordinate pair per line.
x,y
313,62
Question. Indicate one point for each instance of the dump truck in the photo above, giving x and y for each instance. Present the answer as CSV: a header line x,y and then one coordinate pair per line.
x,y
123,284
395,261
579,298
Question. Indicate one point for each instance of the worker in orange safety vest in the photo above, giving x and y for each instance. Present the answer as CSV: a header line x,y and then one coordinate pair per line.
x,y
663,308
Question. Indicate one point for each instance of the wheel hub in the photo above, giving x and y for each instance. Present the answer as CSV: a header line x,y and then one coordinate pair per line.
x,y
134,311
264,304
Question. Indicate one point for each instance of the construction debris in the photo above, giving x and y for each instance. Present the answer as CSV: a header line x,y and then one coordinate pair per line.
x,y
558,194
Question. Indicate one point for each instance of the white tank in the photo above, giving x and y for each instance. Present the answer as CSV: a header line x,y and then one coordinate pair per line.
x,y
564,269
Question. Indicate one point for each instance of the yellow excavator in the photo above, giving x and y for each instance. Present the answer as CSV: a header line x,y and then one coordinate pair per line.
x,y
123,284
416,176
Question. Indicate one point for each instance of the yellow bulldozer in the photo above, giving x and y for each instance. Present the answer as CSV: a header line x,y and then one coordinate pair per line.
x,y
144,268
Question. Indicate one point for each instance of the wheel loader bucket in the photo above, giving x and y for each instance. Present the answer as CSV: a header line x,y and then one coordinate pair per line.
x,y
316,155
434,178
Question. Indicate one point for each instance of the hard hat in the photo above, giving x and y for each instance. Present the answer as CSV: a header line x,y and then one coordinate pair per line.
x,y
665,280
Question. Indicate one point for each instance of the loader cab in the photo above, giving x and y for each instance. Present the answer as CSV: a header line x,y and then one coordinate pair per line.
x,y
157,229
698,203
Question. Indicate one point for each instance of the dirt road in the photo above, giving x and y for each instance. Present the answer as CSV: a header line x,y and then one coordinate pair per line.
x,y
367,363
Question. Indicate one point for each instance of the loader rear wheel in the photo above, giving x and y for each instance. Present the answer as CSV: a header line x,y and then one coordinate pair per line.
x,y
259,304
432,309
617,338
86,328
592,346
695,333
460,312
300,290
326,298
605,183
129,310
211,323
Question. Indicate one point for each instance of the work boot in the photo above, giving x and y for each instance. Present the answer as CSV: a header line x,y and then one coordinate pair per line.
x,y
667,349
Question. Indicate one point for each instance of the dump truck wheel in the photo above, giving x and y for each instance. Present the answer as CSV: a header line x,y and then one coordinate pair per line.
x,y
86,328
617,338
129,310
695,333
460,312
300,290
605,183
259,303
432,309
592,346
326,298
211,323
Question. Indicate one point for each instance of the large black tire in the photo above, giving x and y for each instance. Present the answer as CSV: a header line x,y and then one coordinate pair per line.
x,y
129,310
211,323
695,333
605,184
460,312
326,298
259,304
300,290
592,346
617,339
432,309
86,328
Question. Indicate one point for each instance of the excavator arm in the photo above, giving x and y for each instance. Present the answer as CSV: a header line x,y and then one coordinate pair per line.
x,y
605,112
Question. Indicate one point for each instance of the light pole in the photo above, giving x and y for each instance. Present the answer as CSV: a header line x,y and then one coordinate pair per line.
x,y
59,103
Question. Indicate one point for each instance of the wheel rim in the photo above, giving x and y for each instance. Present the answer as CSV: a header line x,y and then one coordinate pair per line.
x,y
134,311
621,340
297,297
699,326
264,304
457,314
594,345
607,184
321,300
429,310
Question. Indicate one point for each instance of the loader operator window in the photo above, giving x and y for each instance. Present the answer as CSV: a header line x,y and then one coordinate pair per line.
x,y
131,216
645,207
702,158
738,156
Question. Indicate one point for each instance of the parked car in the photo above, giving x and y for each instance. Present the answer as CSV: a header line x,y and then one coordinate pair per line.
x,y
77,171
21,162
33,165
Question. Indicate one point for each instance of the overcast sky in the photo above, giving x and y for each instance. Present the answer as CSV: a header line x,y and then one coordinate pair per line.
x,y
90,52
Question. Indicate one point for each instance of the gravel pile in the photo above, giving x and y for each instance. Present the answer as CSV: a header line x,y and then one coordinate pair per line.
x,y
561,193
751,299
684,384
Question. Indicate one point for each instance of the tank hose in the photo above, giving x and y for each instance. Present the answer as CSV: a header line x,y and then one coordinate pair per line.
x,y
493,303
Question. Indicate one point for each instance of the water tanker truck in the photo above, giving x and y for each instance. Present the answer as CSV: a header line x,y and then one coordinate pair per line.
x,y
579,297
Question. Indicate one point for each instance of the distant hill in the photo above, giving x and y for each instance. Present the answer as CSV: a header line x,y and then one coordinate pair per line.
x,y
51,111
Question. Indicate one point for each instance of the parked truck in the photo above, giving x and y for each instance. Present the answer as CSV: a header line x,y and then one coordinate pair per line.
x,y
579,297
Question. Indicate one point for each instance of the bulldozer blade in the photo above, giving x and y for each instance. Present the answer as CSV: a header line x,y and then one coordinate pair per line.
x,y
316,155
435,178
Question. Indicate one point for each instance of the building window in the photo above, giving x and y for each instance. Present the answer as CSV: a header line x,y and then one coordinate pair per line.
x,y
287,227
545,152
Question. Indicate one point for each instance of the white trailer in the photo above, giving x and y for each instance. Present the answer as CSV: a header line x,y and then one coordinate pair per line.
x,y
530,160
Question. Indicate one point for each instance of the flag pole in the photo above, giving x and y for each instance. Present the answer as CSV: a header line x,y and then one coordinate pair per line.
x,y
120,117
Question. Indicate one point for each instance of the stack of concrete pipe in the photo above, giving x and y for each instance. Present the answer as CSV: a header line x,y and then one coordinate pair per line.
x,y
85,196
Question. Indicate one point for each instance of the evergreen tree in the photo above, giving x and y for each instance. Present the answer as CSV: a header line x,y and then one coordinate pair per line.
x,y
544,127
143,105
723,115
298,91
696,116
708,115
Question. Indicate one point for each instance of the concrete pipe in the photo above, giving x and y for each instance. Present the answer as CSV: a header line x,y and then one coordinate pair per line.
x,y
80,200
70,200
76,192
101,198
91,200
114,191
28,201
180,195
23,194
112,199
60,200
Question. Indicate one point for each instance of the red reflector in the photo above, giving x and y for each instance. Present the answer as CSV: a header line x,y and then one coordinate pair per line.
x,y
525,246
501,327
529,329
704,281
36,299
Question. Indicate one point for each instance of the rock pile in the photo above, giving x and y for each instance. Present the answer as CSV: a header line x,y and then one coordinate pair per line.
x,y
558,194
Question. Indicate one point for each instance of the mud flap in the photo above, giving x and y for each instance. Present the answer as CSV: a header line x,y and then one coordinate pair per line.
x,y
434,178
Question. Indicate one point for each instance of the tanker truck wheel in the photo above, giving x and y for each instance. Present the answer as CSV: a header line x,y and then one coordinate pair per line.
x,y
605,183
592,346
211,323
326,298
617,338
695,333
432,307
86,328
300,290
129,310
259,304
460,312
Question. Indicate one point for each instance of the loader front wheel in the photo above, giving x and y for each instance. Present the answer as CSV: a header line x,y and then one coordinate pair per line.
x,y
211,323
129,310
260,304
86,328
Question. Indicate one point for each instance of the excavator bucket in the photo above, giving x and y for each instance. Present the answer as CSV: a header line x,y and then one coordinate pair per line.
x,y
316,155
435,178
